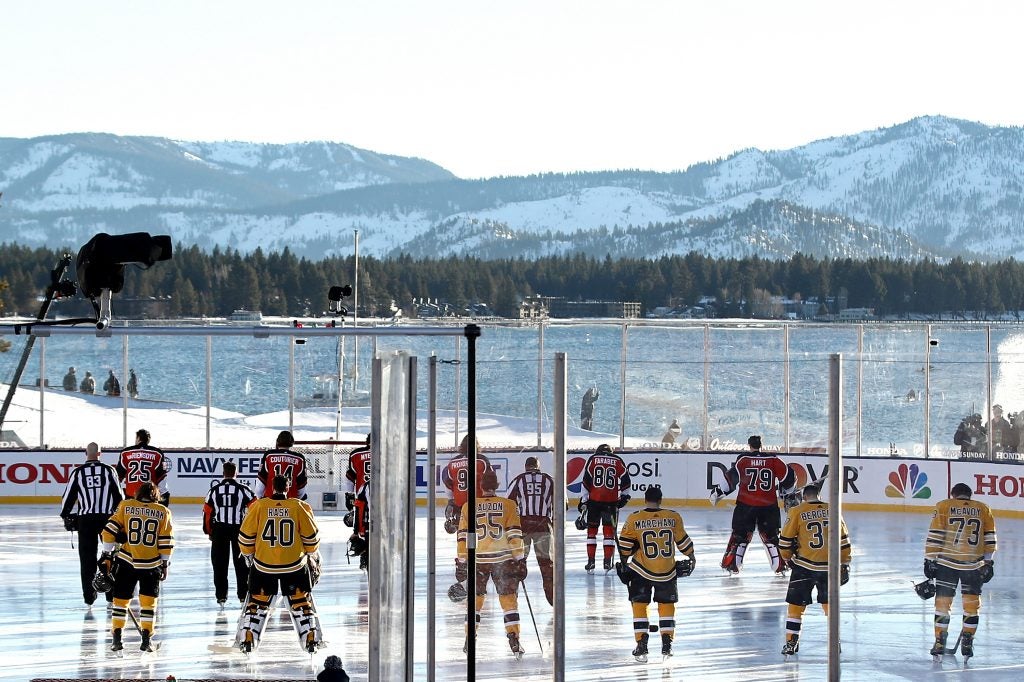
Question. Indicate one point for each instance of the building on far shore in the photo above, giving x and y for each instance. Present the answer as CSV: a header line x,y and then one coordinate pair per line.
x,y
559,307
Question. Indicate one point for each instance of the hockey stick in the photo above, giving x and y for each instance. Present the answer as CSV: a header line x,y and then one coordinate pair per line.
x,y
135,620
530,607
956,645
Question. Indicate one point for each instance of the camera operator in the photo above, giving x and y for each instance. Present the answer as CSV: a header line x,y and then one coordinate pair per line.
x,y
1002,435
970,435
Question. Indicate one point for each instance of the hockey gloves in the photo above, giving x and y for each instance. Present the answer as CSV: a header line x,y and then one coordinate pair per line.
x,y
684,567
70,522
623,501
518,570
582,507
350,501
844,574
106,563
163,570
716,495
461,570
931,568
624,572
349,519
313,566
451,518
987,570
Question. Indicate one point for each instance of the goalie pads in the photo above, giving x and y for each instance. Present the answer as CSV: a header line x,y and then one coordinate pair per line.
x,y
684,567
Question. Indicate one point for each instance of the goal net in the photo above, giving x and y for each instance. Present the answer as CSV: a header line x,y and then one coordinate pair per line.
x,y
326,464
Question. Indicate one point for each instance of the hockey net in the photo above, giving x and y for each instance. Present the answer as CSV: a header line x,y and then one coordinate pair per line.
x,y
326,463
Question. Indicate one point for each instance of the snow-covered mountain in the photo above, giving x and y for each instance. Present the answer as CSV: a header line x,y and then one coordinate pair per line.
x,y
933,186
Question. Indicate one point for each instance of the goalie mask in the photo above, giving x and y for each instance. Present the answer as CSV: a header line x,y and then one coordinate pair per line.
x,y
925,589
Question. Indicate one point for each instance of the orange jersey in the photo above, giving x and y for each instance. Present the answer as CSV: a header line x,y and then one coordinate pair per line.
x,y
358,472
455,477
605,477
138,464
291,465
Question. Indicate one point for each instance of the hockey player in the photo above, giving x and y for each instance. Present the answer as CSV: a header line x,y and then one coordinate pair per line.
x,y
533,492
804,546
141,559
357,479
605,482
280,536
959,549
93,492
282,461
757,504
455,477
140,463
648,566
499,555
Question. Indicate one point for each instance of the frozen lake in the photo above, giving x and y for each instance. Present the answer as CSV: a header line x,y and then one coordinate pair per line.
x,y
727,628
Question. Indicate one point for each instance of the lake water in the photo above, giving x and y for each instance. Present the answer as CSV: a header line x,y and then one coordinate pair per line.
x,y
719,382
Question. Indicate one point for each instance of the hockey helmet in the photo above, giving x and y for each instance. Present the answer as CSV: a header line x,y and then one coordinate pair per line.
x,y
925,589
457,592
603,449
102,582
581,521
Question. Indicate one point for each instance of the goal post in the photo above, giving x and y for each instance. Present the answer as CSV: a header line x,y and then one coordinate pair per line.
x,y
326,464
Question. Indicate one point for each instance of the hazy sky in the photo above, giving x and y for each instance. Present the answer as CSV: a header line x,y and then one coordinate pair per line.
x,y
507,88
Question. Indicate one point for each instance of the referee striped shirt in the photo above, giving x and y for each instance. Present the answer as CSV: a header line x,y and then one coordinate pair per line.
x,y
227,501
93,488
534,492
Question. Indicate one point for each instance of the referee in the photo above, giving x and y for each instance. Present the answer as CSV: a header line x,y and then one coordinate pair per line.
x,y
534,492
222,517
92,495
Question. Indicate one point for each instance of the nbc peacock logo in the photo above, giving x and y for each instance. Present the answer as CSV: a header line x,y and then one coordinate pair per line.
x,y
908,482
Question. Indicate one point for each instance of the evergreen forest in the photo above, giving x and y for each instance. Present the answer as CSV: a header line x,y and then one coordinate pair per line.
x,y
198,283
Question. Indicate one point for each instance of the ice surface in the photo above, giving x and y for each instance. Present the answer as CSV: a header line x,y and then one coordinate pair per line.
x,y
727,628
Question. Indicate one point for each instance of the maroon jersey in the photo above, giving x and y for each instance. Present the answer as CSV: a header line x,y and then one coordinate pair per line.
x,y
455,477
756,475
605,477
358,471
138,464
287,463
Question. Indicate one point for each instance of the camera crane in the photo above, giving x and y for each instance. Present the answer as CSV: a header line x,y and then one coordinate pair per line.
x,y
57,288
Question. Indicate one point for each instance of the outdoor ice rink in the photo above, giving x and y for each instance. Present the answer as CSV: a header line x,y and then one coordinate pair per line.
x,y
728,628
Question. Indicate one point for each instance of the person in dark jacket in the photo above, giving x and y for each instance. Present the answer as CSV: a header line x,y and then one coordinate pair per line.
x,y
332,671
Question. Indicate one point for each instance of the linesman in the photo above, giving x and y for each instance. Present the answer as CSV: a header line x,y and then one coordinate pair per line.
x,y
222,517
534,492
959,549
92,495
804,546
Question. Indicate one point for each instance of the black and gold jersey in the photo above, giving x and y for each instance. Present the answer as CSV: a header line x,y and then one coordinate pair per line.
x,y
146,531
962,534
278,533
650,538
804,538
499,536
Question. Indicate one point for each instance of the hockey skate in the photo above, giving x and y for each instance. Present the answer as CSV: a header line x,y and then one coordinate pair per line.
x,y
640,652
939,648
515,646
115,643
246,645
790,648
666,645
589,568
967,645
147,644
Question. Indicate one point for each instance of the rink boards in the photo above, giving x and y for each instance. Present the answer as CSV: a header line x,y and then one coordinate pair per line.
x,y
880,484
